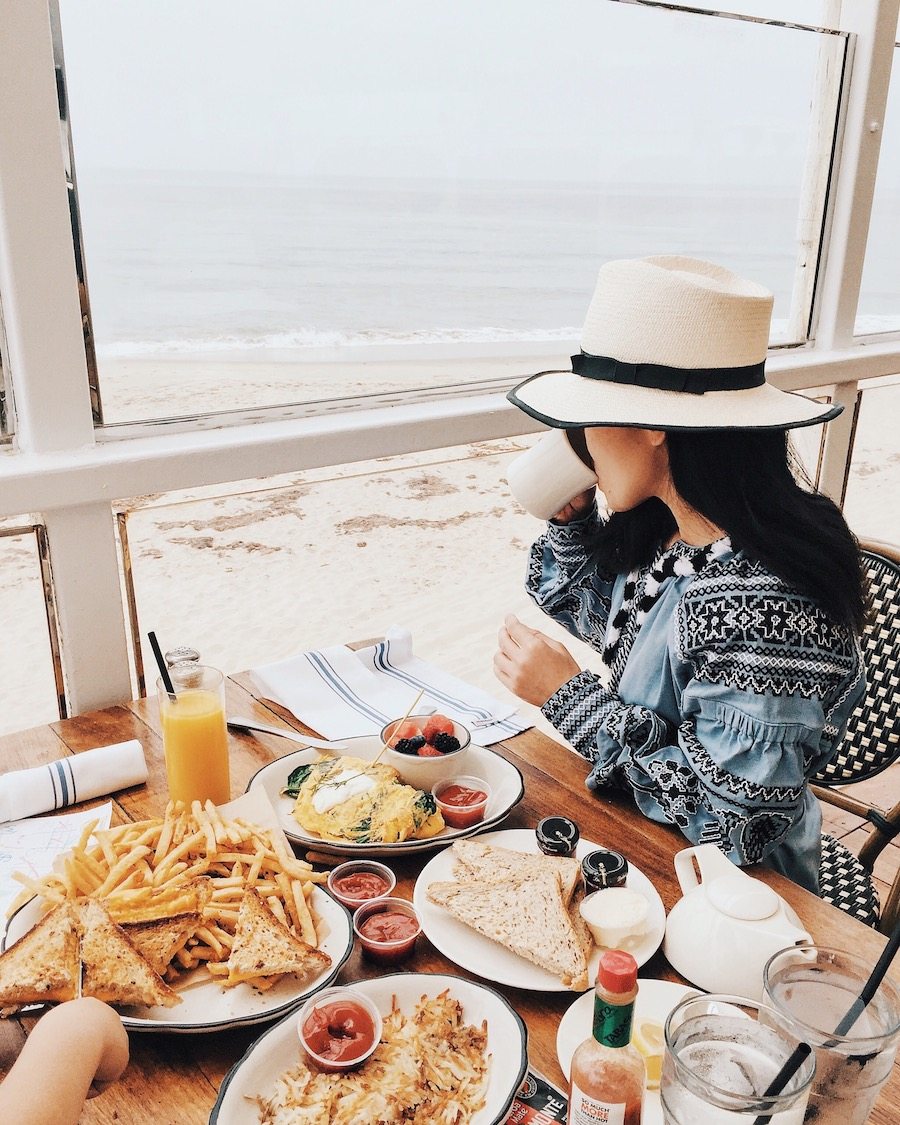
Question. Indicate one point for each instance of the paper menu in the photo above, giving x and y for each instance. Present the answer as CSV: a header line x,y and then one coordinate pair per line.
x,y
31,846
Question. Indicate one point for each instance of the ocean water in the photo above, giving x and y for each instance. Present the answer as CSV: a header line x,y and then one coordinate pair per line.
x,y
180,265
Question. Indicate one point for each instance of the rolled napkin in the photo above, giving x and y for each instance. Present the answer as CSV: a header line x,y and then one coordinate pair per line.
x,y
70,780
345,694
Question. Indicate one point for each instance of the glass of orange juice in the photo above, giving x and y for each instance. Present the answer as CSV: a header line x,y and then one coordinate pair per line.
x,y
195,738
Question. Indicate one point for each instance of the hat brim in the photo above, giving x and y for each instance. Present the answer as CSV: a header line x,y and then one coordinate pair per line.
x,y
565,400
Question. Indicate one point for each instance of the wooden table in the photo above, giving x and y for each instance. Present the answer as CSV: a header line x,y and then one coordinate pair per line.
x,y
173,1079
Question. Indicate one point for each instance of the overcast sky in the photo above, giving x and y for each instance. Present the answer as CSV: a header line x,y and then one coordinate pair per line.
x,y
577,90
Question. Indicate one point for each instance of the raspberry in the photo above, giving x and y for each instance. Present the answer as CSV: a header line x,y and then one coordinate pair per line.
x,y
435,725
445,743
410,745
404,729
426,751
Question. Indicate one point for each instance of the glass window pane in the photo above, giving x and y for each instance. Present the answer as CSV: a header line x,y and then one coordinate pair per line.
x,y
428,191
879,297
26,661
874,482
432,542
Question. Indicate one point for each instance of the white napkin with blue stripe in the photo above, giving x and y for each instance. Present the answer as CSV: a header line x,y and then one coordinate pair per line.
x,y
346,694
79,777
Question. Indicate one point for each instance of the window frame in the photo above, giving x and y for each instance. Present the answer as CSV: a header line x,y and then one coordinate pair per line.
x,y
61,466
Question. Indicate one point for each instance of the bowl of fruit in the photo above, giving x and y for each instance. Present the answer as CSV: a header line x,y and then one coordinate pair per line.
x,y
425,749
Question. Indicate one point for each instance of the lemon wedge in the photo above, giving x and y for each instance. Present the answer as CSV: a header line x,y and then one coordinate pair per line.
x,y
647,1036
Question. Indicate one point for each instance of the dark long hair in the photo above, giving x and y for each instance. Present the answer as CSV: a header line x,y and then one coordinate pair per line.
x,y
749,483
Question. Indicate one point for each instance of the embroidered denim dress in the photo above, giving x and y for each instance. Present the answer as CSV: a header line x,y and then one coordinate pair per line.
x,y
728,689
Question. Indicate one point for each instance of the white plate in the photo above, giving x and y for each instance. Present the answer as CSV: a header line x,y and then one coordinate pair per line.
x,y
205,1004
469,949
277,1050
655,999
507,789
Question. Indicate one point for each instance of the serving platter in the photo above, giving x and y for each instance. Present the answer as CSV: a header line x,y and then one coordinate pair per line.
x,y
505,780
205,1004
655,999
277,1050
471,950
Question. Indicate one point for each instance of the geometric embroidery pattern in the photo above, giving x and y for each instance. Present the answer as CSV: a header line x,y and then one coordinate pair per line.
x,y
740,626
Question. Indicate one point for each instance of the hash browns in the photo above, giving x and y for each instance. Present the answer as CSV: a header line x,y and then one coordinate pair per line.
x,y
430,1068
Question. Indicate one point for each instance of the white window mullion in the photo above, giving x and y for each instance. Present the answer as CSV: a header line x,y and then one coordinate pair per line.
x,y
46,358
874,23
38,284
85,568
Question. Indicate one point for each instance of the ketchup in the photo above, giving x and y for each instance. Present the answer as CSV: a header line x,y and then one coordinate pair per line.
x,y
389,925
387,935
462,795
461,805
361,885
340,1032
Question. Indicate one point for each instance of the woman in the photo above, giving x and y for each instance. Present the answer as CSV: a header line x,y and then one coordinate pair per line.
x,y
726,600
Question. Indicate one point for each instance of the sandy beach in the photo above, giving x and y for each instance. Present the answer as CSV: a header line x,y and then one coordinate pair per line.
x,y
264,569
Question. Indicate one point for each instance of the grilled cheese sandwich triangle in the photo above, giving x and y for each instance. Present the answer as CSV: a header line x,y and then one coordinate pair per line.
x,y
43,965
264,946
113,969
160,939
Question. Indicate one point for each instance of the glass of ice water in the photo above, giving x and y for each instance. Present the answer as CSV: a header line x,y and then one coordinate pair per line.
x,y
810,991
720,1059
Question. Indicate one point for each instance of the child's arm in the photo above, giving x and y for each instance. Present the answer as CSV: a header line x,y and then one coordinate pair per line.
x,y
72,1046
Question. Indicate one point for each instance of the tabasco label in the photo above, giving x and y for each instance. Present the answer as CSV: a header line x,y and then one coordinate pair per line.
x,y
585,1110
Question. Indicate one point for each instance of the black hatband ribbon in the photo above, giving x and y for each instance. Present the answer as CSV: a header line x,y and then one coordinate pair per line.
x,y
690,380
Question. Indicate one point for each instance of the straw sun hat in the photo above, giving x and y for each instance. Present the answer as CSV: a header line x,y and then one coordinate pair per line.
x,y
671,344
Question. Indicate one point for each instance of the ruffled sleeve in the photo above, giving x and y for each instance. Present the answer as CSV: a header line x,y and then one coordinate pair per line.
x,y
563,579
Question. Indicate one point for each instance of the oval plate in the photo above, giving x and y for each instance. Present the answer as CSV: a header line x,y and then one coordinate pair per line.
x,y
205,1004
471,950
277,1050
507,789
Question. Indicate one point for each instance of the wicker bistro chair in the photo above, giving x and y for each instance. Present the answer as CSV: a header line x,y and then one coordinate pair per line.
x,y
871,744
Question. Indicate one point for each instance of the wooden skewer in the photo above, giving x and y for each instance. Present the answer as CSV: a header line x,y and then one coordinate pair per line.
x,y
396,726
384,746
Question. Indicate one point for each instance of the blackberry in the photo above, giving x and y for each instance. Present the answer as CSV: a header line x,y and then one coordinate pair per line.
x,y
446,743
410,745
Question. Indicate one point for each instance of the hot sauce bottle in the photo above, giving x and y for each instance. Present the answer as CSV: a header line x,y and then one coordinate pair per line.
x,y
607,1079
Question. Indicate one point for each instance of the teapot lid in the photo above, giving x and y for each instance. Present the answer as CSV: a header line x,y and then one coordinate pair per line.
x,y
740,897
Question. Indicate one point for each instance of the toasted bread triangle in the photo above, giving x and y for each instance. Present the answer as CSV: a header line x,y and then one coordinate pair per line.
x,y
489,862
113,970
159,939
526,914
43,965
264,946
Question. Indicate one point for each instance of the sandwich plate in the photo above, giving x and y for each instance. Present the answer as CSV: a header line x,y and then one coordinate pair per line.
x,y
655,999
507,789
205,1004
470,950
277,1050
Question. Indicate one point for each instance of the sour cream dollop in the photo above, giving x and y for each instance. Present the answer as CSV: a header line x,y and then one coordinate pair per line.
x,y
337,790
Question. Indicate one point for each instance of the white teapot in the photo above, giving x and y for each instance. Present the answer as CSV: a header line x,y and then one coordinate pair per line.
x,y
728,924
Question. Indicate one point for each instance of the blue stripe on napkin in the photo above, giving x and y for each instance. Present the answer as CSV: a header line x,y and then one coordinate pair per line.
x,y
340,687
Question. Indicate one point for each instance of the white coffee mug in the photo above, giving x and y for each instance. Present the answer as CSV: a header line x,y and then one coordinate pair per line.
x,y
546,477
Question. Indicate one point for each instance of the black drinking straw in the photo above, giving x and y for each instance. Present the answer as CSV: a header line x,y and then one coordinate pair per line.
x,y
163,670
855,1010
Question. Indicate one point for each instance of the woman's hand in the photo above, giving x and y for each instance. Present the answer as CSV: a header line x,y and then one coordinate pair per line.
x,y
530,664
576,508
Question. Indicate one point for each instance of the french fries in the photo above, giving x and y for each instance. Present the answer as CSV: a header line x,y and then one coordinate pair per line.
x,y
189,860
